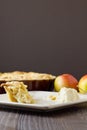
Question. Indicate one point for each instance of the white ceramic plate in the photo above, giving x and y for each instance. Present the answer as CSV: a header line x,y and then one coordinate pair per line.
x,y
43,102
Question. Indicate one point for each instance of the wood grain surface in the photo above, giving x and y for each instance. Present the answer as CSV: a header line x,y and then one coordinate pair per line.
x,y
74,118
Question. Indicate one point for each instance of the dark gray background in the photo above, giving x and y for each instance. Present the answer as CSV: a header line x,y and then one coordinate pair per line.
x,y
44,36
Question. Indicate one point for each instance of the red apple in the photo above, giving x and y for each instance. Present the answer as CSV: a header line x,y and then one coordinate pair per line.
x,y
82,86
65,80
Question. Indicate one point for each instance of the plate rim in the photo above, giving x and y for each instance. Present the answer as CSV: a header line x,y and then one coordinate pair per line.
x,y
34,107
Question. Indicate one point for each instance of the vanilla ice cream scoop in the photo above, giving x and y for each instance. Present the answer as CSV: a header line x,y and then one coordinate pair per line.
x,y
68,95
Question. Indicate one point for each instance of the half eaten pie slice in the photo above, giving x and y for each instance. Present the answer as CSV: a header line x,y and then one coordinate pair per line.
x,y
17,92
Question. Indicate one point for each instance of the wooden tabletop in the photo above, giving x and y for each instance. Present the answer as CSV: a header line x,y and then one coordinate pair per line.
x,y
74,118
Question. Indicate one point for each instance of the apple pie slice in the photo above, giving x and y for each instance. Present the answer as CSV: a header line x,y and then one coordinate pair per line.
x,y
17,92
